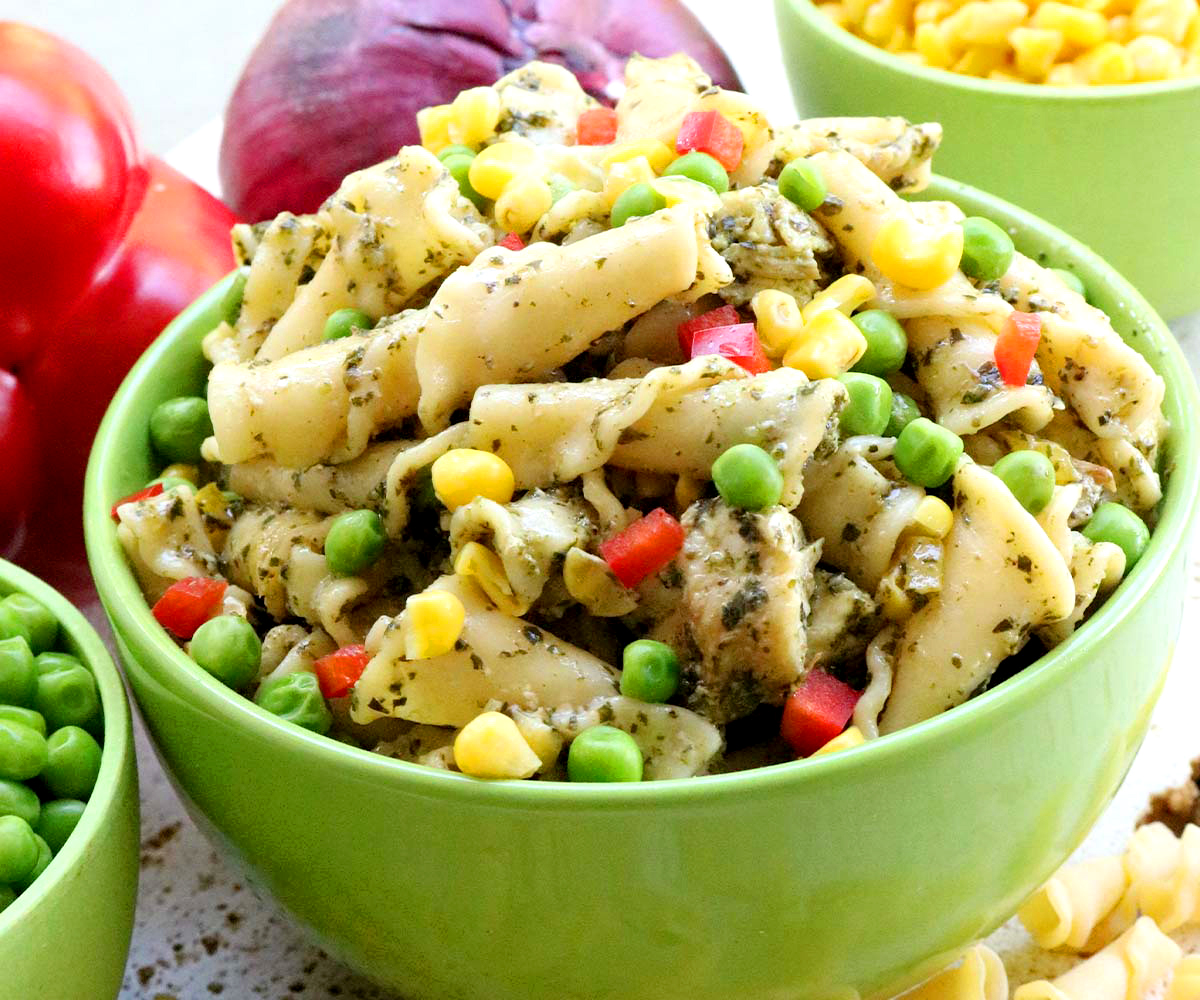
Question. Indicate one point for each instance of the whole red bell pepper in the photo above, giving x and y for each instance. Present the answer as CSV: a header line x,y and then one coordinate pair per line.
x,y
104,246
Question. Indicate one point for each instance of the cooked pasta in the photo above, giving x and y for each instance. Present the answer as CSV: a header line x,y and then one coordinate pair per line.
x,y
643,422
979,976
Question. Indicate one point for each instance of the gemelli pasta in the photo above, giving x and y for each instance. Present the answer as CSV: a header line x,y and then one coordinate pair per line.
x,y
649,442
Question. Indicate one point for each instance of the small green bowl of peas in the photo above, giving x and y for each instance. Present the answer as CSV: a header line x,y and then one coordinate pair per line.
x,y
68,801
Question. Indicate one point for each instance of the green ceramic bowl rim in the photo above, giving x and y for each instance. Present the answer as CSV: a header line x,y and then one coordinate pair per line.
x,y
118,738
823,25
138,629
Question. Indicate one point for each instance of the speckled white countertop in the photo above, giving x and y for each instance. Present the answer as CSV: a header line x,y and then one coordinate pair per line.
x,y
202,933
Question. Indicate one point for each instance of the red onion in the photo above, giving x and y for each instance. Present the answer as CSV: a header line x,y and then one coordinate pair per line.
x,y
334,85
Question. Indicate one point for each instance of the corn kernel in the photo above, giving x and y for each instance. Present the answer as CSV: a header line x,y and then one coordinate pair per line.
x,y
677,190
1167,19
836,13
474,116
486,569
1106,64
688,490
931,518
434,124
1119,28
1154,58
462,474
827,347
658,154
180,470
496,166
491,746
1036,50
543,740
524,201
852,737
930,41
980,60
743,112
985,22
778,319
917,256
1063,75
848,293
623,176
882,18
1084,28
932,11
433,623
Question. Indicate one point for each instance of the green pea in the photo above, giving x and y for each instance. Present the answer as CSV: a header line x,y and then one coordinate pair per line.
x,y
700,167
459,165
927,453
604,753
73,763
801,183
447,151
354,542
25,716
650,671
13,626
228,648
23,752
8,896
1029,475
904,412
560,187
345,321
747,477
17,799
44,857
1071,280
178,428
868,406
987,249
18,672
296,698
58,822
634,202
39,619
66,692
1116,523
18,849
887,343
231,301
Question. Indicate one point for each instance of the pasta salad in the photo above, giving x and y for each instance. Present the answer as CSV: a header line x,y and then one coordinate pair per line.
x,y
644,442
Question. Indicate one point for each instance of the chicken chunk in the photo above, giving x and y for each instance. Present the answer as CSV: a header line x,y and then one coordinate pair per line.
x,y
746,581
769,242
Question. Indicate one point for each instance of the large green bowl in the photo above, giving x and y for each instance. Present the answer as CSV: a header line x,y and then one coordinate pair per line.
x,y
1115,166
67,936
807,881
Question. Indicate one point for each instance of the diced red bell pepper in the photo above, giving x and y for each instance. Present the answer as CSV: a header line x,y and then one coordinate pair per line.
x,y
188,604
339,671
150,491
712,133
816,712
597,127
1016,346
739,343
512,242
687,330
643,548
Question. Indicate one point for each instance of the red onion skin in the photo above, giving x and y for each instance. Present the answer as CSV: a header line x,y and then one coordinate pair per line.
x,y
334,85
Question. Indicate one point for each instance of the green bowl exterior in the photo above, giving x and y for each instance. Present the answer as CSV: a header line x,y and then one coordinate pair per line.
x,y
838,877
1113,166
67,936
